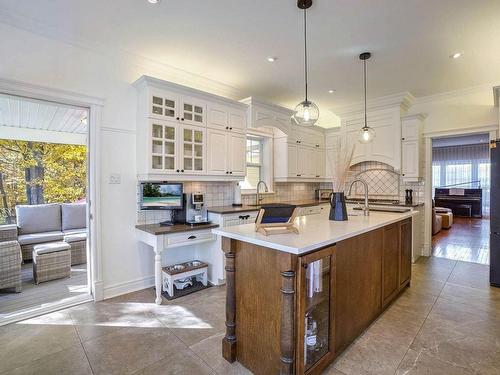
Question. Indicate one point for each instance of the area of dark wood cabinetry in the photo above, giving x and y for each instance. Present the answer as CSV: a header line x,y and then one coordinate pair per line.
x,y
390,263
406,250
258,282
358,279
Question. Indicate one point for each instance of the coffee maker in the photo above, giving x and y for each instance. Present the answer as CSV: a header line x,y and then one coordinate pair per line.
x,y
196,212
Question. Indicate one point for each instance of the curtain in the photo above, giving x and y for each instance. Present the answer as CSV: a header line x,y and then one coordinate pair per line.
x,y
468,165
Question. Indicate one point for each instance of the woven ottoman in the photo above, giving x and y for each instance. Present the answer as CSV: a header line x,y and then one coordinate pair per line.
x,y
51,261
78,243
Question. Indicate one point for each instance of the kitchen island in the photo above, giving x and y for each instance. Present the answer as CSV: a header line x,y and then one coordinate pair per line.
x,y
294,302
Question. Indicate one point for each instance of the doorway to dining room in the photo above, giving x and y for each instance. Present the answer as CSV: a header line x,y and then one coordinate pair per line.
x,y
461,197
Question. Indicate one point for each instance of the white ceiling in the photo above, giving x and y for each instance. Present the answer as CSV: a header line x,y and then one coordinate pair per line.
x,y
229,40
19,112
461,140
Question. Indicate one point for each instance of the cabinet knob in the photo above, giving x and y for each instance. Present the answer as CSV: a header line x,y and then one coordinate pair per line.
x,y
230,128
227,127
227,172
178,118
402,139
191,237
231,172
178,171
182,119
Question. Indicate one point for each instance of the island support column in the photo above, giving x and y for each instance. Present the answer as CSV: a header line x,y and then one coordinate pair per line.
x,y
287,322
229,341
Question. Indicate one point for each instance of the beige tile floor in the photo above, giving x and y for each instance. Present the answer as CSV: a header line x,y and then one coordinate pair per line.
x,y
448,322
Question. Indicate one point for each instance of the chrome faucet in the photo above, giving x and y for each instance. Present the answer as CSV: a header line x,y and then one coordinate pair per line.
x,y
258,198
366,207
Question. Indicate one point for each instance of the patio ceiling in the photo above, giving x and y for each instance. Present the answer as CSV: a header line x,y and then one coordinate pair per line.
x,y
35,120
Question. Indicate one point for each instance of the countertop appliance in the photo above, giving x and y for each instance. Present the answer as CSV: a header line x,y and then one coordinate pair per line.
x,y
196,212
323,194
495,213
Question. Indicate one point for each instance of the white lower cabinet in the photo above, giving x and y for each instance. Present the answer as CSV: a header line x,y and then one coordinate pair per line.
x,y
226,153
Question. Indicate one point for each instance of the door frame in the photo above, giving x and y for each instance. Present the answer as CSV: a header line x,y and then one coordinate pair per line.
x,y
428,138
95,107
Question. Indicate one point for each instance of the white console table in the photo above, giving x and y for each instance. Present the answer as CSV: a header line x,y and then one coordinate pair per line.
x,y
162,238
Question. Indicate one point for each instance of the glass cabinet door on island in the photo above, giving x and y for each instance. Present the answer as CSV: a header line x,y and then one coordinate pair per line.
x,y
315,310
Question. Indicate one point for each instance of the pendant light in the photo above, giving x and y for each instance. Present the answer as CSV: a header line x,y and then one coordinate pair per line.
x,y
306,112
366,134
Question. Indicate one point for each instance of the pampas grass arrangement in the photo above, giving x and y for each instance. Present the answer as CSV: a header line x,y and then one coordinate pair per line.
x,y
339,164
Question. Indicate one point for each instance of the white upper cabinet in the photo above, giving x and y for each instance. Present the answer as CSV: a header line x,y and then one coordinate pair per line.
x,y
226,153
187,133
226,118
319,163
411,147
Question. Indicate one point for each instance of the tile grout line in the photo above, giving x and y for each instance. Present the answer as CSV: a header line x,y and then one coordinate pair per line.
x,y
81,342
426,316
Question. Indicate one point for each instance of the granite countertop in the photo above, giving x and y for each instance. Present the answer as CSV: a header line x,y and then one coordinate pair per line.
x,y
231,209
177,228
315,231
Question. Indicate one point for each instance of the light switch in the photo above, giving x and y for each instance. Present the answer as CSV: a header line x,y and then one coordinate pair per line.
x,y
115,178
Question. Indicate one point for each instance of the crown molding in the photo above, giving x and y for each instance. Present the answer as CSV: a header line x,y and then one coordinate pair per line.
x,y
496,95
252,100
418,116
454,93
403,100
147,81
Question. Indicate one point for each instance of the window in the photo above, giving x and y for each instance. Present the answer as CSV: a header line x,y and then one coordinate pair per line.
x,y
436,177
458,174
254,163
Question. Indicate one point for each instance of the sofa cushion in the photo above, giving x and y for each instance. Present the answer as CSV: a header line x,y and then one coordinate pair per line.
x,y
76,237
51,247
38,218
75,231
33,238
73,215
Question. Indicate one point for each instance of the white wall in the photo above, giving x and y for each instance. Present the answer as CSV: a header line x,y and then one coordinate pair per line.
x,y
38,60
458,110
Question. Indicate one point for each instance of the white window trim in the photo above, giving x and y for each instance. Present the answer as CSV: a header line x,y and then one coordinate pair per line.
x,y
266,164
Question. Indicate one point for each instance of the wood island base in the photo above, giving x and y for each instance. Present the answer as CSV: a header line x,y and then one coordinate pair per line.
x,y
294,314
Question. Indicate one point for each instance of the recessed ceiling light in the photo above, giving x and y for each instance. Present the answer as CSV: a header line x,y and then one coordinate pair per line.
x,y
272,59
153,1
456,55
331,91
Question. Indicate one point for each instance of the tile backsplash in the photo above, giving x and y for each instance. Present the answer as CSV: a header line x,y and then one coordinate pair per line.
x,y
383,183
222,194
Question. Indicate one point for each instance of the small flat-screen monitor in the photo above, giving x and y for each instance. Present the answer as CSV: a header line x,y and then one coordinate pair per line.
x,y
161,196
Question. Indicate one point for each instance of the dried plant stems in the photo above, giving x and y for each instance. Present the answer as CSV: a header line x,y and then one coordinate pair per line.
x,y
339,164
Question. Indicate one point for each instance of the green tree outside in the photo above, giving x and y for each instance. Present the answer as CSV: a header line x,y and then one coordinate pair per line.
x,y
37,172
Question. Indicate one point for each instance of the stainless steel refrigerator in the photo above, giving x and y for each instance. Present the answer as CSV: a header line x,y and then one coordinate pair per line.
x,y
495,214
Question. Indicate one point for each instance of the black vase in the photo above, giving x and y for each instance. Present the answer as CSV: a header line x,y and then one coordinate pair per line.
x,y
338,209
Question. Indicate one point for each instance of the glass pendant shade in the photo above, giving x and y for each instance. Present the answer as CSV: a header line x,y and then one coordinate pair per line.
x,y
366,134
306,113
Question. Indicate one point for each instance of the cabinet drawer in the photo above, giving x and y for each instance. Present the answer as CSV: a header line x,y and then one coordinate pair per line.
x,y
187,238
240,218
310,210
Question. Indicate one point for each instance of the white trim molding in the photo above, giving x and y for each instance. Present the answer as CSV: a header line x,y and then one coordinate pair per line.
x,y
460,131
94,104
128,287
453,94
403,99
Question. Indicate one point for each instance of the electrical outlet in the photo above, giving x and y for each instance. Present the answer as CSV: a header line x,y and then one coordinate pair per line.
x,y
115,178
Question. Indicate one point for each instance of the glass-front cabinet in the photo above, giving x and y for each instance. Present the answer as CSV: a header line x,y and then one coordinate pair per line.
x,y
164,106
163,146
193,111
193,152
315,310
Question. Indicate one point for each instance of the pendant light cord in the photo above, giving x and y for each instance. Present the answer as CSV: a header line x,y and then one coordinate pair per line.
x,y
364,69
305,50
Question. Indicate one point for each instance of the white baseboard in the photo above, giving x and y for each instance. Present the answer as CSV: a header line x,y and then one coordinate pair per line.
x,y
128,287
98,291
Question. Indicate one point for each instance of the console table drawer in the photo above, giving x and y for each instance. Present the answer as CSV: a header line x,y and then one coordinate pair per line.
x,y
188,238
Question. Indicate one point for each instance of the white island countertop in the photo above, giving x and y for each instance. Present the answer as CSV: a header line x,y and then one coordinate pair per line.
x,y
315,231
